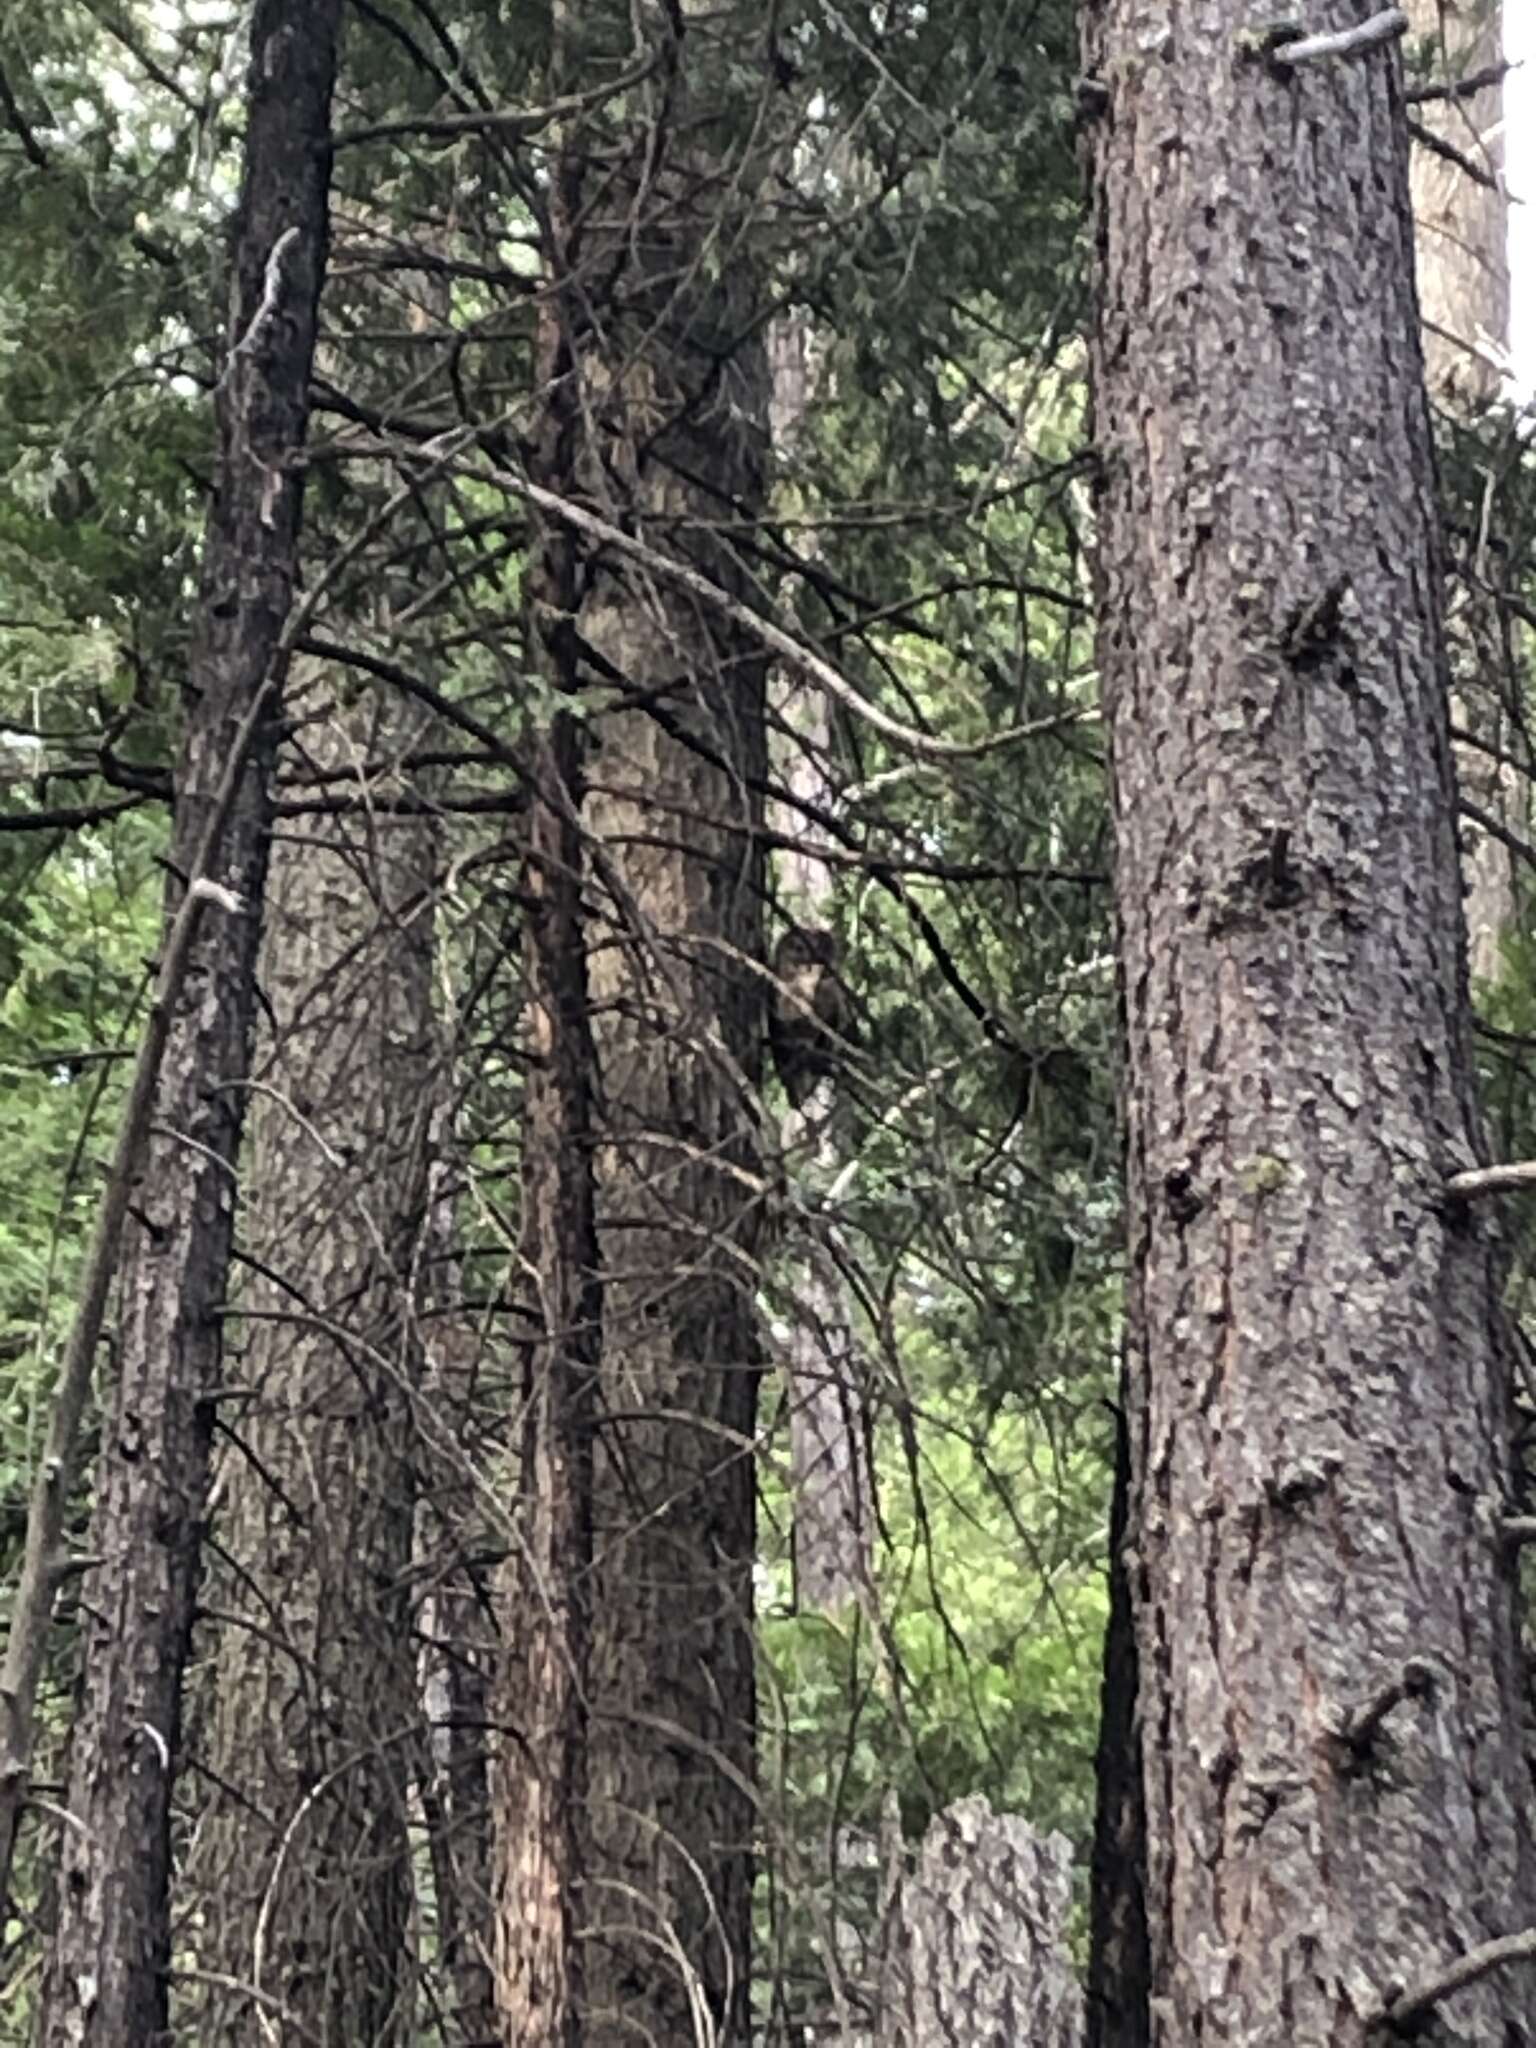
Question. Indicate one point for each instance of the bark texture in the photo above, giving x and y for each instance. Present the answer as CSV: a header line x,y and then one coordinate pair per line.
x,y
107,1980
656,415
978,1951
301,1865
1318,1368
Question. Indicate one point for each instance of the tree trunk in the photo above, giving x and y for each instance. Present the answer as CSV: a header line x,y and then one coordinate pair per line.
x,y
657,416
1461,223
1462,250
107,1978
548,1590
456,1621
1318,1368
1116,2014
828,1426
301,1868
977,1950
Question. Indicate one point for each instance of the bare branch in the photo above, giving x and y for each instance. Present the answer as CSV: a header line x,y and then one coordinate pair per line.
x,y
518,122
1438,146
794,653
1408,2007
1491,1180
1466,88
1345,42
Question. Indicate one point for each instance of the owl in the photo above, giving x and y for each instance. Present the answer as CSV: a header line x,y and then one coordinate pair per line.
x,y
811,1009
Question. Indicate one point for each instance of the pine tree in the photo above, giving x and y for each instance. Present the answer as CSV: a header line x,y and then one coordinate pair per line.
x,y
1318,1369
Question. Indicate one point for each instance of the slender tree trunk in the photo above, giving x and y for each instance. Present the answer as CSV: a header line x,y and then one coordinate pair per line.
x,y
301,1868
1461,217
548,1592
1116,2013
657,415
1461,222
829,1460
833,1504
457,1620
107,1979
1329,1681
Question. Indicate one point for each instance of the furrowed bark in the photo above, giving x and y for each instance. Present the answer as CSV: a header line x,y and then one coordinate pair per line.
x,y
107,1978
1317,1363
300,1870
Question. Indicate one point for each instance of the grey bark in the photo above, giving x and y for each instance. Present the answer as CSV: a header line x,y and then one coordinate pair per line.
x,y
1318,1367
977,1947
833,1504
301,1862
458,1647
107,1976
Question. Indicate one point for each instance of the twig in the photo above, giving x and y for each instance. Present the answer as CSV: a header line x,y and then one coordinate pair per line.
x,y
516,121
272,285
70,816
1485,821
1366,35
794,653
1518,1528
1408,2007
1438,146
1466,88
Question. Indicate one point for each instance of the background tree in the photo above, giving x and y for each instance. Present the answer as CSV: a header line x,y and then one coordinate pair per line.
x,y
1461,221
301,1859
655,416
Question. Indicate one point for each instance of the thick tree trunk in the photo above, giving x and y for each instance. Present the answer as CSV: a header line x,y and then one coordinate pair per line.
x,y
658,417
1461,243
301,1868
107,1978
1328,1671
